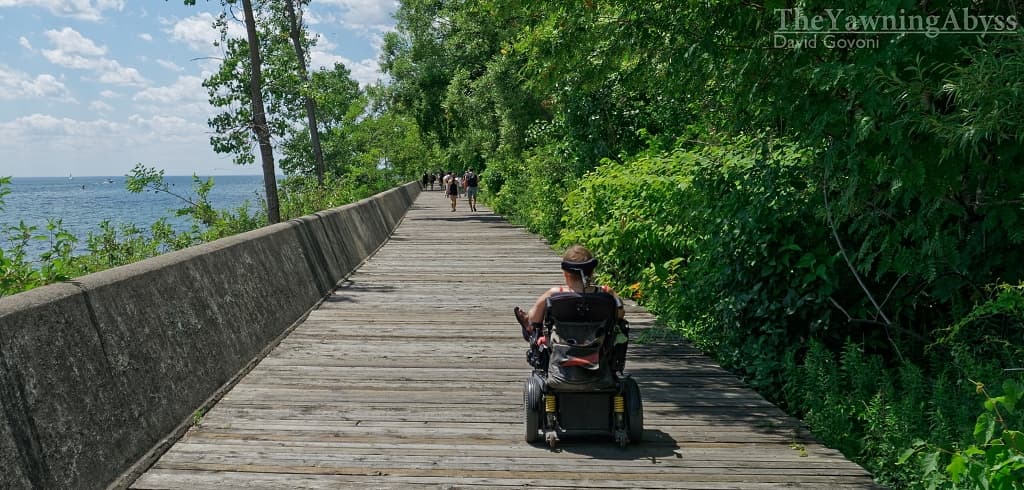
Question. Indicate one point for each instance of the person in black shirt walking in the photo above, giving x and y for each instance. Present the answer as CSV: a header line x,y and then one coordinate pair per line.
x,y
472,180
452,190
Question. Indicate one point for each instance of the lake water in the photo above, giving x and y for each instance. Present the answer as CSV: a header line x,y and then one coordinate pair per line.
x,y
83,202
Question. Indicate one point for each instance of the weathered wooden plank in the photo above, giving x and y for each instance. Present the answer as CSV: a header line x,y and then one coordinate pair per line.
x,y
653,455
170,479
411,375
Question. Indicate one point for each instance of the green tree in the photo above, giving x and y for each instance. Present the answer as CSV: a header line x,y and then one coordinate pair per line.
x,y
256,120
295,33
339,105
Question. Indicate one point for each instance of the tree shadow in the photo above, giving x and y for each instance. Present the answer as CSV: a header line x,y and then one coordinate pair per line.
x,y
473,218
346,291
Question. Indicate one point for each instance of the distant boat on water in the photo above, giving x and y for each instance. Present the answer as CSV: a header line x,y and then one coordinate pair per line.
x,y
108,181
70,177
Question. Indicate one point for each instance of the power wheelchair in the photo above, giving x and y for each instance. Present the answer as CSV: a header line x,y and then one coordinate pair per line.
x,y
577,386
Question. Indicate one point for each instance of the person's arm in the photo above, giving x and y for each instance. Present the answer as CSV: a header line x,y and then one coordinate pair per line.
x,y
539,308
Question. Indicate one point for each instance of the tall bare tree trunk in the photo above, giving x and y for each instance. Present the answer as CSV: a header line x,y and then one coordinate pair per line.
x,y
259,115
314,131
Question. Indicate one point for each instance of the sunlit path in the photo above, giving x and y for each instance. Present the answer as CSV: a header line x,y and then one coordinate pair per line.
x,y
412,374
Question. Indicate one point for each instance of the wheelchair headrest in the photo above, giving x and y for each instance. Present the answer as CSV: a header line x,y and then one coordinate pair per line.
x,y
585,266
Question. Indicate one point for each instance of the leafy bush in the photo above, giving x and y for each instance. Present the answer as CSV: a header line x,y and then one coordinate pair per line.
x,y
114,245
720,239
302,195
995,457
56,263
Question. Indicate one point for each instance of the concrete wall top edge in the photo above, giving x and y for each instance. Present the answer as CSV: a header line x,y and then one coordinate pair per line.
x,y
37,297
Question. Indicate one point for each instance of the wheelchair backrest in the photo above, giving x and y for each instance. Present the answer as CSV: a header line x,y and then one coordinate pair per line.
x,y
581,332
581,318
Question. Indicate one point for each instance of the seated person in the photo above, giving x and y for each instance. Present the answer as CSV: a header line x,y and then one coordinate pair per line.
x,y
578,266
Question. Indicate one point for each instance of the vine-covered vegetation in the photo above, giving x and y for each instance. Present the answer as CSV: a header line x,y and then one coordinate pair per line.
x,y
840,225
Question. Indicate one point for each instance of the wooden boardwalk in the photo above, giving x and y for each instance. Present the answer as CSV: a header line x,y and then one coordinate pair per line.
x,y
412,373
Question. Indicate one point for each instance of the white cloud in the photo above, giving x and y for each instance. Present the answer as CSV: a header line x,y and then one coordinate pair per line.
x,y
164,130
145,37
368,19
69,40
24,43
163,124
311,18
365,15
184,89
72,50
66,131
100,106
91,10
198,33
185,97
116,74
170,65
17,85
110,94
366,72
108,71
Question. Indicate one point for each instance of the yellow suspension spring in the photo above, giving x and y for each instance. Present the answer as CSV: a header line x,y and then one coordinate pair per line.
x,y
620,404
549,403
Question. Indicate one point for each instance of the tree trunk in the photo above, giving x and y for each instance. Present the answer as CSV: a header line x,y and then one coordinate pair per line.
x,y
314,131
259,116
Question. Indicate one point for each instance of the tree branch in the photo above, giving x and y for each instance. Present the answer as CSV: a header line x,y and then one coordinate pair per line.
x,y
846,258
856,275
836,304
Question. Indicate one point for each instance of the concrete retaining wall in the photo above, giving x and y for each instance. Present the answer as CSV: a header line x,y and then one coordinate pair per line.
x,y
95,372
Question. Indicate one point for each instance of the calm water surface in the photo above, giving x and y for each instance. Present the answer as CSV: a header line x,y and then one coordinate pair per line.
x,y
83,202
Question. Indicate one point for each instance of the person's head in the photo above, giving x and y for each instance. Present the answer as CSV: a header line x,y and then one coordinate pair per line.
x,y
578,258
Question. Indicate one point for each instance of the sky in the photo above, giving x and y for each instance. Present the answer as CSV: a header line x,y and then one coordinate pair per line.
x,y
92,87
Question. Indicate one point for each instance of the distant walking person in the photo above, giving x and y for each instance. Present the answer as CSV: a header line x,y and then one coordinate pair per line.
x,y
433,178
423,182
452,190
445,182
472,180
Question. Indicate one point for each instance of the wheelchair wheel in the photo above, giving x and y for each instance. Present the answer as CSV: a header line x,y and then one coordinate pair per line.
x,y
634,410
533,393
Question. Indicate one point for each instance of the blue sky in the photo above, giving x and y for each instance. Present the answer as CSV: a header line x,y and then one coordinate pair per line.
x,y
92,87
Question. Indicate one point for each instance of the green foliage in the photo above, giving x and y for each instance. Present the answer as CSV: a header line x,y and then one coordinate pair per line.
x,y
869,411
303,195
56,263
208,223
20,273
340,103
991,337
4,182
143,178
709,238
114,245
995,457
